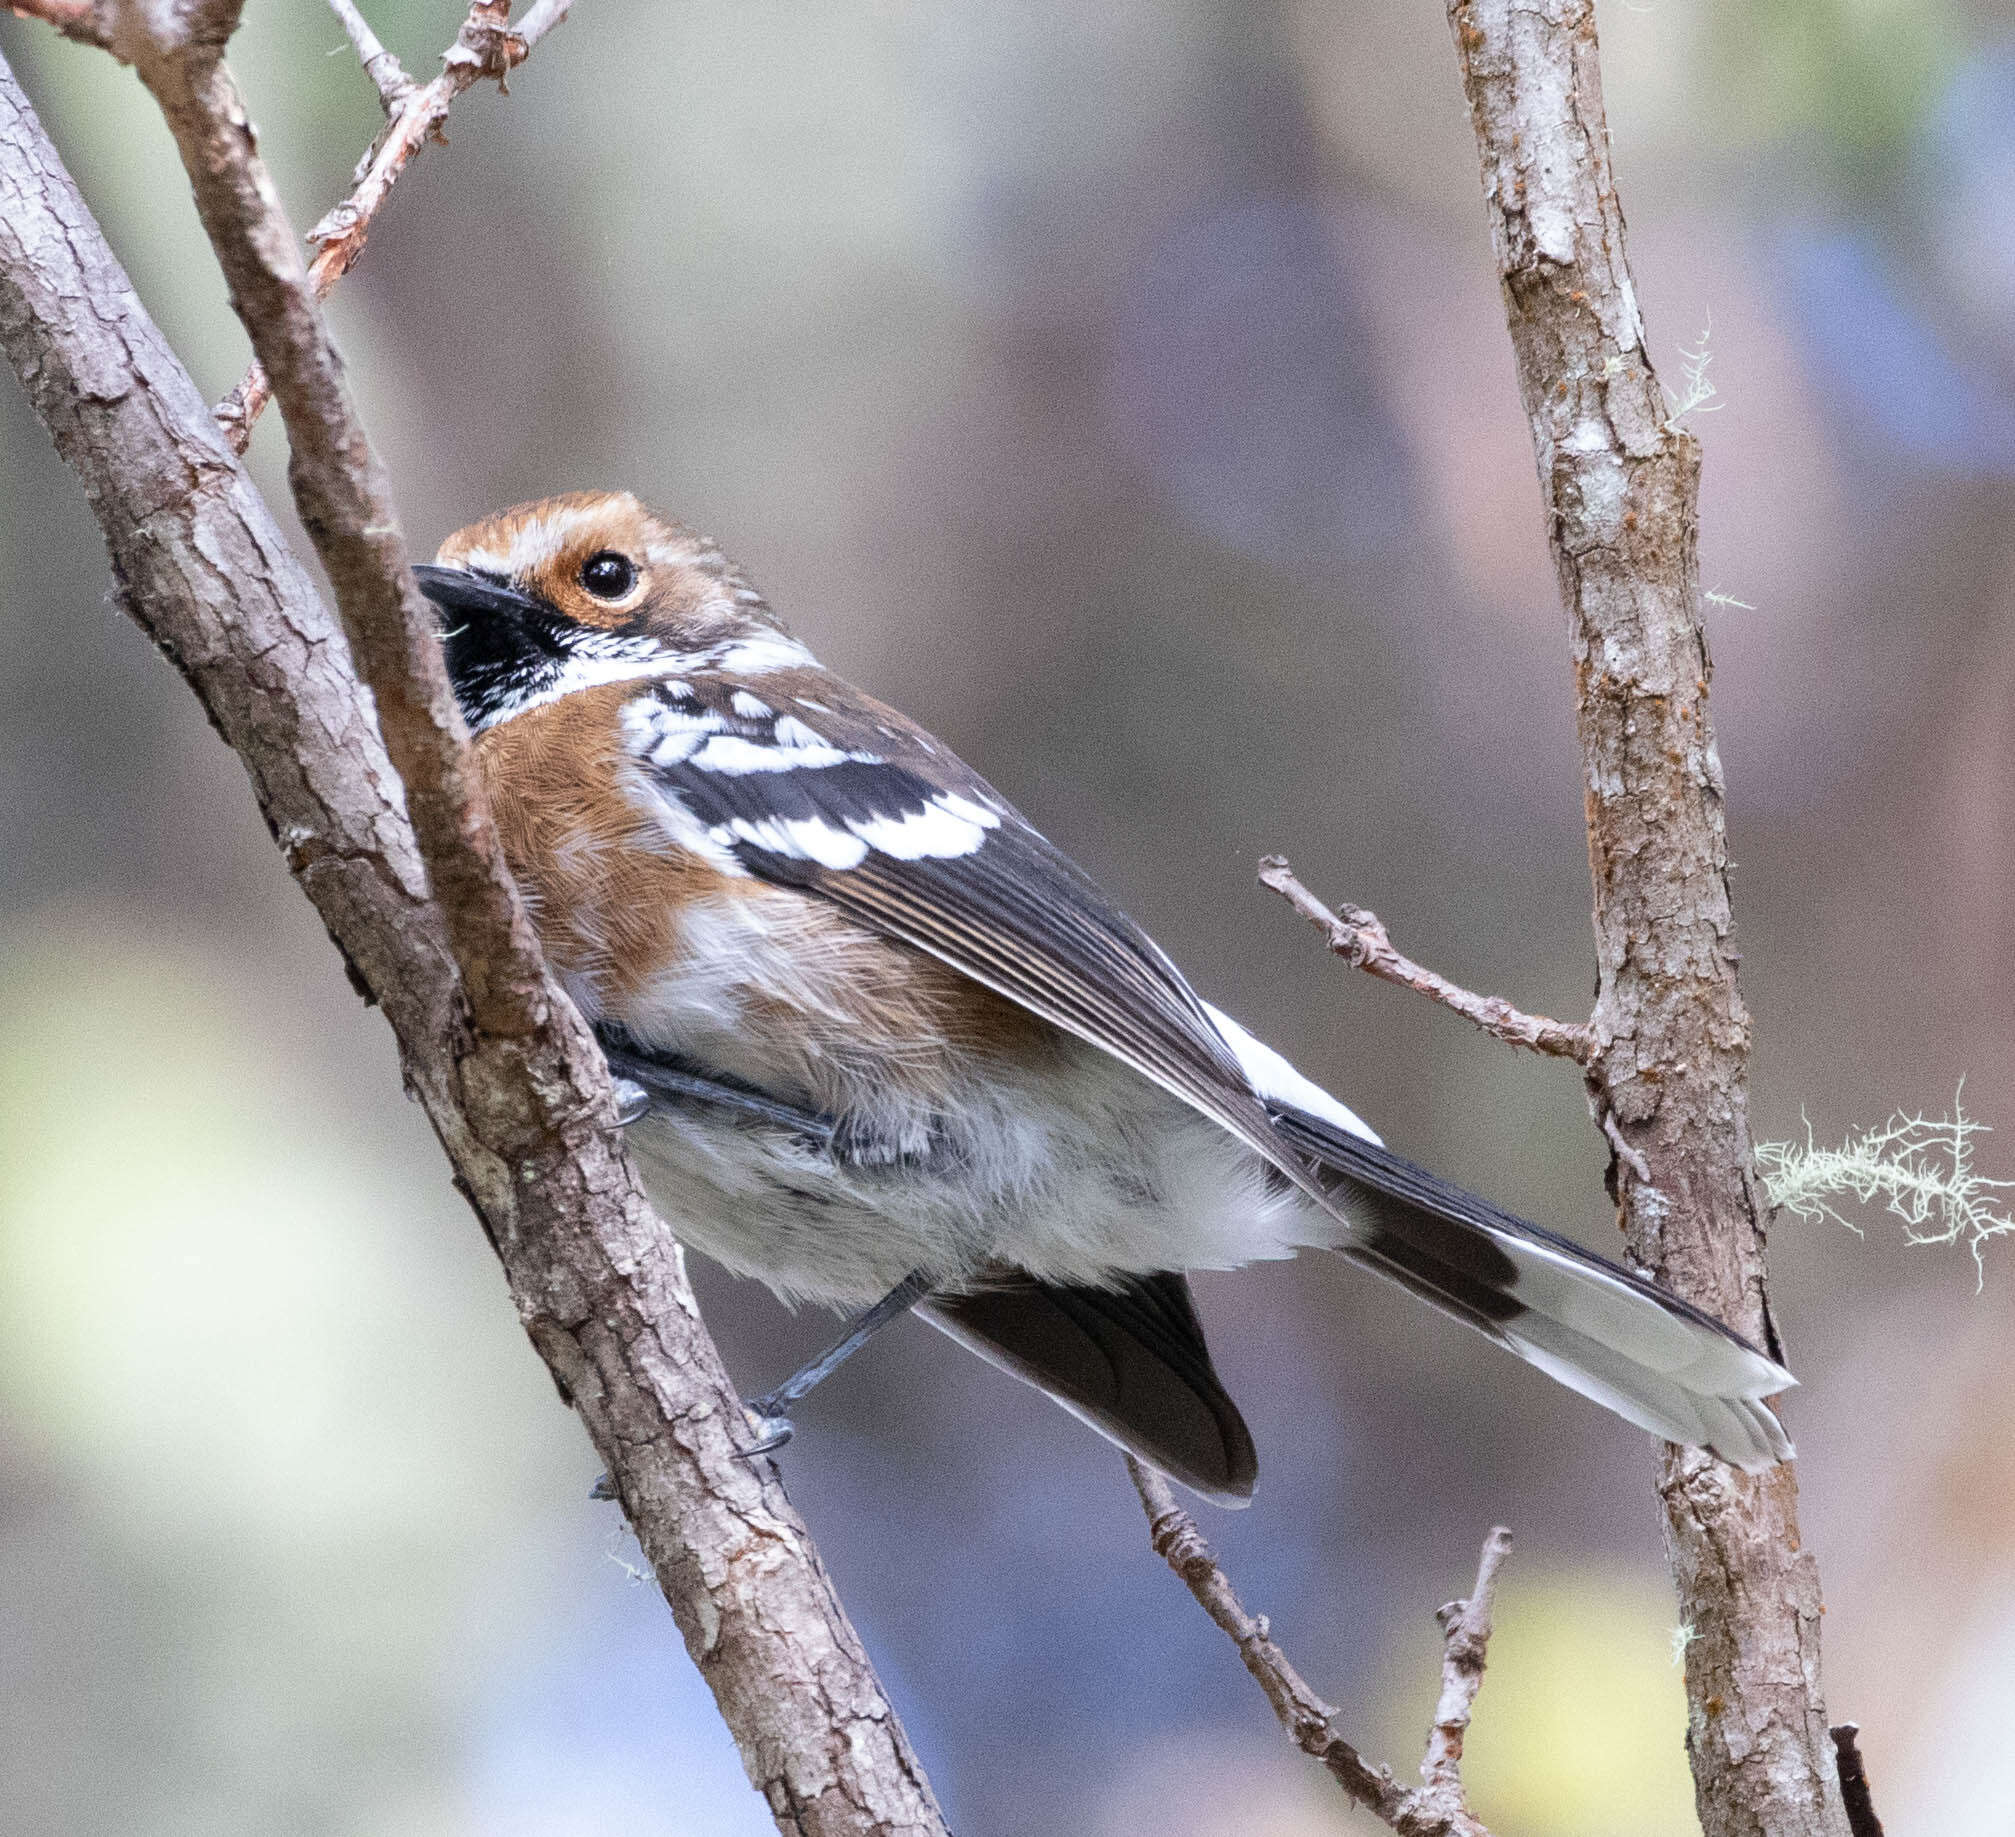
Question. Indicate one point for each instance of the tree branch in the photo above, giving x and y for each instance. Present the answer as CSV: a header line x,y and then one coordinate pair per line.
x,y
1668,1074
524,1115
1438,1807
1361,940
486,46
1465,1632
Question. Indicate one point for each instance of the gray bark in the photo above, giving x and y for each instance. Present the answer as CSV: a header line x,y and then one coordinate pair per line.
x,y
1669,1072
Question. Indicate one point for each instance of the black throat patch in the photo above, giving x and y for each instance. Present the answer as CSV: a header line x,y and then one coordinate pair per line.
x,y
508,650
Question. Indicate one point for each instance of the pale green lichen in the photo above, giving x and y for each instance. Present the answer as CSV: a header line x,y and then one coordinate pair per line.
x,y
1698,395
1919,1167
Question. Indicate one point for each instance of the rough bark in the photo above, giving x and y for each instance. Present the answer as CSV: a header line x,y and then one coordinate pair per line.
x,y
523,1111
1669,1070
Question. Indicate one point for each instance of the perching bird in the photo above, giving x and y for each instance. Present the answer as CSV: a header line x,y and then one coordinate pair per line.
x,y
883,1040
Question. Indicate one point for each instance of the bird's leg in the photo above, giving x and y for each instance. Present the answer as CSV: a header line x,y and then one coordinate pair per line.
x,y
643,1081
773,1426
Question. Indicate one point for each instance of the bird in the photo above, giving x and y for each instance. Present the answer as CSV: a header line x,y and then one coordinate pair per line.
x,y
881,1045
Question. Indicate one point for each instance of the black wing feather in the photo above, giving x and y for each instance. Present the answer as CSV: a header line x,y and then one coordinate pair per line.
x,y
1130,1360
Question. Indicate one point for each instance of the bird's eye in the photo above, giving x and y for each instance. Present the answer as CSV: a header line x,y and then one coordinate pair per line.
x,y
608,575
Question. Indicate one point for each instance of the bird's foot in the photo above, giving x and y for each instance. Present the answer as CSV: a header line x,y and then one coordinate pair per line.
x,y
633,1103
773,1428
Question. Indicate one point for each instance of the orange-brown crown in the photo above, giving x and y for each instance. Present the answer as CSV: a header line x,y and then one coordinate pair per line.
x,y
566,551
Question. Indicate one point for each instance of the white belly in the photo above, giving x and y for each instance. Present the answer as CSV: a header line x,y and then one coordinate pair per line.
x,y
1078,1173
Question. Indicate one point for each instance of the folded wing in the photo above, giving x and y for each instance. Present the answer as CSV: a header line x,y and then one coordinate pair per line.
x,y
798,779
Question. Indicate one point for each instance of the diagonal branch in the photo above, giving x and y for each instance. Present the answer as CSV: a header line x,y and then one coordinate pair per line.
x,y
1668,1071
1361,940
487,45
1438,1806
523,1110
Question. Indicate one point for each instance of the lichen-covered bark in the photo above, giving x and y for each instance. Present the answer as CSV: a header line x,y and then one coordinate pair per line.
x,y
524,1115
1669,1071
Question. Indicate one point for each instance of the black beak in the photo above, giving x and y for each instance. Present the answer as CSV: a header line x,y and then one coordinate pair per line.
x,y
499,643
462,595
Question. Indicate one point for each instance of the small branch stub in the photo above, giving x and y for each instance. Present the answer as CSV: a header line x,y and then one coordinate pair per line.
x,y
1465,1628
1361,940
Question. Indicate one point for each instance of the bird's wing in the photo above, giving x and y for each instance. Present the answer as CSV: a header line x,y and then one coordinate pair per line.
x,y
1130,1360
797,778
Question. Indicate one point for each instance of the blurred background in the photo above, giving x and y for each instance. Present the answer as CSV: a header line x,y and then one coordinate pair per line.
x,y
1123,391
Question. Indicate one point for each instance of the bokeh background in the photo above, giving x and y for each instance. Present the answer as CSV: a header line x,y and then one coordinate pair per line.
x,y
1122,389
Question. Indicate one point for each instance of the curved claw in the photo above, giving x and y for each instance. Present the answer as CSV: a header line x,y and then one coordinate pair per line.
x,y
633,1102
604,1488
772,1428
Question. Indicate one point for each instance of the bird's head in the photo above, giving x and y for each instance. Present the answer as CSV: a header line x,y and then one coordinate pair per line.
x,y
573,591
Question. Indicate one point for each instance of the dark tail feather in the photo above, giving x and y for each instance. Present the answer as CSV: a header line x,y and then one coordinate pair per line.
x,y
1130,1361
1615,1337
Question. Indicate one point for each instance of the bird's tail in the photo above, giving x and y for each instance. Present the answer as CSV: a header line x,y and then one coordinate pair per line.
x,y
1611,1335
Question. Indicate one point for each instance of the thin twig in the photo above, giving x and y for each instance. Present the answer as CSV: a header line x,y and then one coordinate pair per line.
x,y
539,19
1361,940
78,19
1854,1791
1465,1629
1438,1806
388,76
345,501
486,46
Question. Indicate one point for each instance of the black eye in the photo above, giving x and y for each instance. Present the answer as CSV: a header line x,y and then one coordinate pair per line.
x,y
608,575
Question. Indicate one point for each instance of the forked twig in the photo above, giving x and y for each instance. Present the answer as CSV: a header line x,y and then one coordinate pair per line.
x,y
488,45
1438,1806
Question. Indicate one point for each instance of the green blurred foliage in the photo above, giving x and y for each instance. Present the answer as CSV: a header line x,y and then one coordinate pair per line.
x,y
1850,78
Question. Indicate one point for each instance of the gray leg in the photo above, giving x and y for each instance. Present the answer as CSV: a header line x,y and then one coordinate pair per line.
x,y
773,1427
643,1082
